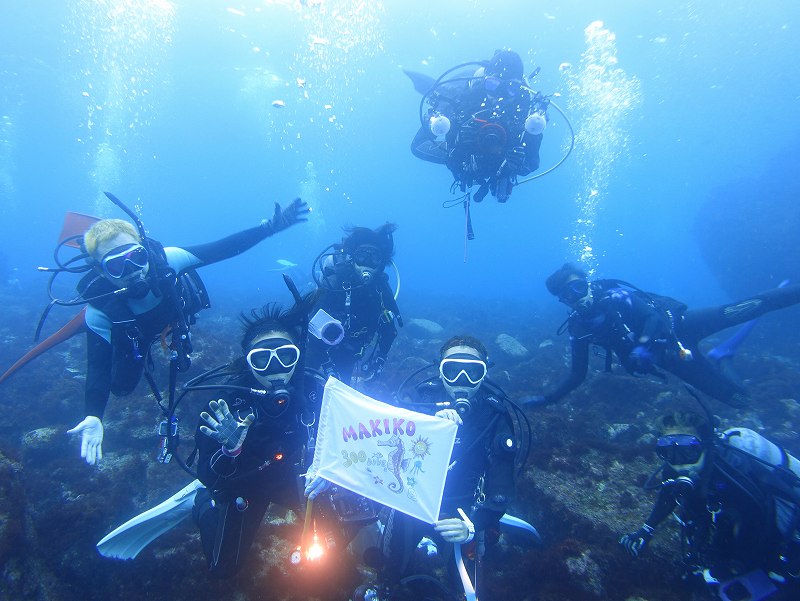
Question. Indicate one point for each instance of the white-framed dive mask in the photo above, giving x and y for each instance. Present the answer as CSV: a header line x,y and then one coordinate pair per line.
x,y
462,373
273,361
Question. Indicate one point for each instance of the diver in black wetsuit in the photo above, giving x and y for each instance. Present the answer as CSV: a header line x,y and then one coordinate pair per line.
x,y
481,481
251,446
486,128
122,327
648,331
737,499
355,294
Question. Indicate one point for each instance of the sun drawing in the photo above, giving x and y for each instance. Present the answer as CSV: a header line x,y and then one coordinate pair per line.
x,y
421,447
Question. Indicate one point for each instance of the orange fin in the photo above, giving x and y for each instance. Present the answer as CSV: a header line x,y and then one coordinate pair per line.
x,y
74,326
75,224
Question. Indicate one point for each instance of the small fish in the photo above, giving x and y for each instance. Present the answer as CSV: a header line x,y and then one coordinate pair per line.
x,y
301,83
284,265
278,104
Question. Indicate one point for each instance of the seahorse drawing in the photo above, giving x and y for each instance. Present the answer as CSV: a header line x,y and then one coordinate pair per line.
x,y
395,461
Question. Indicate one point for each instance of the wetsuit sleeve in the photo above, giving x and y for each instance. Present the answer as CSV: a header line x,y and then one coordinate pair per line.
x,y
663,507
98,374
531,162
499,483
580,366
213,252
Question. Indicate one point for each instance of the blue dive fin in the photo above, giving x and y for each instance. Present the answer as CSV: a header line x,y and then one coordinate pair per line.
x,y
510,520
422,83
126,541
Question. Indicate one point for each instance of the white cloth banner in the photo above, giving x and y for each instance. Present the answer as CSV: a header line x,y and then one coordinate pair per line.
x,y
391,455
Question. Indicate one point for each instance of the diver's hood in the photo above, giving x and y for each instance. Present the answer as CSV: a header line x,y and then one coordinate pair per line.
x,y
506,64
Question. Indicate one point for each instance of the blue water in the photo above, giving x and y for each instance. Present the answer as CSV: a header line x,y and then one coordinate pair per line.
x,y
169,105
202,114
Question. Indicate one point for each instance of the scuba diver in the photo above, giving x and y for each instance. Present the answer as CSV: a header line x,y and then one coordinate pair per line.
x,y
491,445
251,442
736,496
254,443
485,126
353,320
648,331
138,290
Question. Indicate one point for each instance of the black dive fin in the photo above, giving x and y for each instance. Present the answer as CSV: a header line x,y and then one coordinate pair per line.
x,y
422,83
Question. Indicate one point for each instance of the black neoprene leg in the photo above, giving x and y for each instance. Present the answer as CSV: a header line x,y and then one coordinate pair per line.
x,y
226,532
706,377
700,323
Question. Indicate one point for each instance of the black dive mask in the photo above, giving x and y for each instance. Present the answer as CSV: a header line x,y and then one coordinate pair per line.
x,y
679,449
573,291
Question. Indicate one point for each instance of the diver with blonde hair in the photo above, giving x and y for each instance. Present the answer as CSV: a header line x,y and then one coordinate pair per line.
x,y
137,291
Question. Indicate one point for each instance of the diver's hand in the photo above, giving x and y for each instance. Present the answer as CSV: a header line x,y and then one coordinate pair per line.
x,y
315,485
295,212
225,428
635,542
91,431
450,415
455,530
641,359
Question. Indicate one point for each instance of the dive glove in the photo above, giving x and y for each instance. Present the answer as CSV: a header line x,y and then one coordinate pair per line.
x,y
295,212
451,415
91,431
635,542
315,485
225,428
456,530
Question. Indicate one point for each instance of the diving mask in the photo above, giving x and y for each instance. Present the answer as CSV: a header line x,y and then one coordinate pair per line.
x,y
497,86
680,449
125,261
462,373
573,291
368,256
273,361
473,370
286,357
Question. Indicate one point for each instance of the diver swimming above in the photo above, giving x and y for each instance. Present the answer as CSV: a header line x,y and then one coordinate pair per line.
x,y
647,331
136,292
485,126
